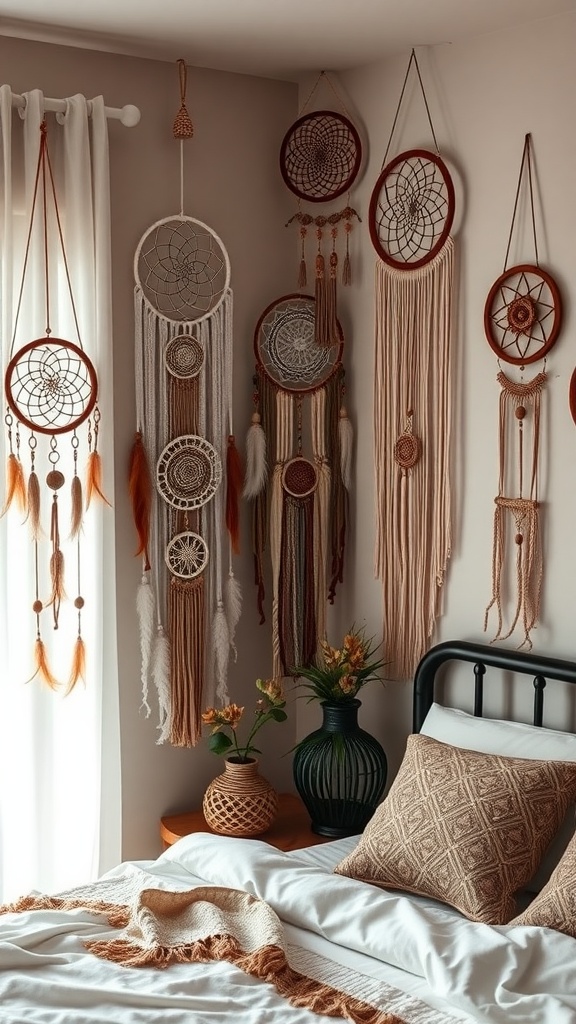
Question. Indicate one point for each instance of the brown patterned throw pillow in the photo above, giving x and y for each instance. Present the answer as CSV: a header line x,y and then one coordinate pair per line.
x,y
463,827
555,905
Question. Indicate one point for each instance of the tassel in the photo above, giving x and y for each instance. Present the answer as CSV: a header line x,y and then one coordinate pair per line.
x,y
221,645
78,670
93,479
186,618
34,505
345,437
233,488
233,606
160,668
42,667
77,507
145,612
140,490
302,274
256,468
15,487
346,270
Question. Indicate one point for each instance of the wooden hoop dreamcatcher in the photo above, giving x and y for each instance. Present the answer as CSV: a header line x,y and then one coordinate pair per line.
x,y
183,355
572,395
297,475
411,217
522,320
51,389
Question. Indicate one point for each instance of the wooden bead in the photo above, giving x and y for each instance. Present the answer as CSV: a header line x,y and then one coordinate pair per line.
x,y
520,412
519,538
255,417
55,479
79,603
37,607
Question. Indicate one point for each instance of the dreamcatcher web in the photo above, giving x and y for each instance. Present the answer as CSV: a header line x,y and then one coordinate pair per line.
x,y
189,472
186,555
287,349
522,315
320,156
184,356
51,386
182,268
411,209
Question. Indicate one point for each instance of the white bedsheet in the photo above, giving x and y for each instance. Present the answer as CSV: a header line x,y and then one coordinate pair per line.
x,y
460,970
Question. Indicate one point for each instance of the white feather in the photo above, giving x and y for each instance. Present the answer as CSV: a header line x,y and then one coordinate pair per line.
x,y
256,469
161,677
346,437
233,606
221,646
145,611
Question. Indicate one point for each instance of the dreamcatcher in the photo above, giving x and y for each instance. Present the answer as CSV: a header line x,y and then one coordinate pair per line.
x,y
411,215
301,434
572,395
51,389
183,451
320,158
522,319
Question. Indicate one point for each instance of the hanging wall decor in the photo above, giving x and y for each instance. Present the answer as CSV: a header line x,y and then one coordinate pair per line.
x,y
572,395
320,158
411,216
185,475
51,390
522,320
297,475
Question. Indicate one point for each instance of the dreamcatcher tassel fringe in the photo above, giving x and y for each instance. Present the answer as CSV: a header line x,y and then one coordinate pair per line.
x,y
145,611
346,440
221,645
346,271
160,669
326,326
42,666
94,479
15,486
140,490
186,617
256,470
528,566
233,490
77,507
233,608
33,503
302,274
296,592
78,669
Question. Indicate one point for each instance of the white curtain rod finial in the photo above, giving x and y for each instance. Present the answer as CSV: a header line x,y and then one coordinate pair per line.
x,y
130,115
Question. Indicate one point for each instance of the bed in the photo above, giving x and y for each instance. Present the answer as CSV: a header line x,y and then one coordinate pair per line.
x,y
362,932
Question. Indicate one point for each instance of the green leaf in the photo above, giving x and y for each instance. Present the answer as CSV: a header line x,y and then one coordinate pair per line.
x,y
278,715
219,743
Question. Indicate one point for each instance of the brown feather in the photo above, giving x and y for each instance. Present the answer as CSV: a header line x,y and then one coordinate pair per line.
x,y
77,507
94,479
15,486
234,478
42,667
78,669
140,489
34,505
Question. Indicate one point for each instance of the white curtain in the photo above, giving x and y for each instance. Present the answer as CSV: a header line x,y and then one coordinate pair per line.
x,y
59,755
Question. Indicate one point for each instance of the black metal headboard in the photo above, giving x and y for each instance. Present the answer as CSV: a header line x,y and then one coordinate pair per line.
x,y
482,656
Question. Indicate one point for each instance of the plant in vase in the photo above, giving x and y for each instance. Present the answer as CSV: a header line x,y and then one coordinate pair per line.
x,y
340,770
241,802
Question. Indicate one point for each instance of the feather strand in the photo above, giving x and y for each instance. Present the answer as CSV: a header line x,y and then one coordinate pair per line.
x,y
42,667
78,669
221,645
346,437
145,612
256,468
15,487
77,507
34,505
233,607
233,490
161,676
140,490
94,479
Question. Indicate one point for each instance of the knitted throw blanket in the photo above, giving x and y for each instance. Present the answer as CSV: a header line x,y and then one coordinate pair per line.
x,y
161,927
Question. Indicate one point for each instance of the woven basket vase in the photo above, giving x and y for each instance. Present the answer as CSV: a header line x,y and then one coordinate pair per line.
x,y
240,802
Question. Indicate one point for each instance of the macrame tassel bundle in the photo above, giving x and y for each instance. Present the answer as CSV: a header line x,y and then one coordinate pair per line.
x,y
326,323
186,617
140,491
346,441
182,127
297,634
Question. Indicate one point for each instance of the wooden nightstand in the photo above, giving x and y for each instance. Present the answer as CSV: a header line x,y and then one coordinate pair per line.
x,y
290,831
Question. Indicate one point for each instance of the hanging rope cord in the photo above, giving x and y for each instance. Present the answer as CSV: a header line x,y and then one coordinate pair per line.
x,y
324,76
526,162
413,60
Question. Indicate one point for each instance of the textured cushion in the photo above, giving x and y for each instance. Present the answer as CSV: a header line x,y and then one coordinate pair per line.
x,y
512,739
555,906
463,827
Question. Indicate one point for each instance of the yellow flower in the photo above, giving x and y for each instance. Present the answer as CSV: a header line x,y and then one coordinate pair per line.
x,y
347,684
272,688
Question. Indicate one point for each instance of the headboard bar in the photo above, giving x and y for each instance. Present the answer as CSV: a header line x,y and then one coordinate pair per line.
x,y
484,656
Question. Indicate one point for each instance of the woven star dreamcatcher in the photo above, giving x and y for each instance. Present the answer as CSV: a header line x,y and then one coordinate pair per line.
x,y
320,158
184,453
522,320
297,475
51,390
411,216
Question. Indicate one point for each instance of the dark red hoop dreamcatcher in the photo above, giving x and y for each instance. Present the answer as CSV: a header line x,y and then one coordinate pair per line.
x,y
320,156
572,395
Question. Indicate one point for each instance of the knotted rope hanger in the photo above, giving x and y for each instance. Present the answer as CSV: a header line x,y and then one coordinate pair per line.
x,y
413,61
525,168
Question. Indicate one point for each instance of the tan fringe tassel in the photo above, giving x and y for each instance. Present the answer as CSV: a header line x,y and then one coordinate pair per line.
x,y
184,406
118,916
34,506
94,479
284,439
77,509
186,628
78,669
321,512
42,668
15,486
413,506
325,323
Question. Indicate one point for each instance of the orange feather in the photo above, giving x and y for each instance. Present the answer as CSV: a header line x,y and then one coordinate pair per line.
x,y
94,479
42,667
15,486
140,489
234,478
78,669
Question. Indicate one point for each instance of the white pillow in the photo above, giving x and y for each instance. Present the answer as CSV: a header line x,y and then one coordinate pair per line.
x,y
509,739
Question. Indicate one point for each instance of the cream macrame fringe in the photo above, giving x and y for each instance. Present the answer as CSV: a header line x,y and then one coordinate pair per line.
x,y
413,505
284,442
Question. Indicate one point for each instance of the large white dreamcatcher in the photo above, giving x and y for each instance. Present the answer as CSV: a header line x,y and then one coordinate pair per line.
x,y
183,453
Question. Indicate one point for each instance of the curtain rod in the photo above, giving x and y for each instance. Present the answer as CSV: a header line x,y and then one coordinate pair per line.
x,y
129,115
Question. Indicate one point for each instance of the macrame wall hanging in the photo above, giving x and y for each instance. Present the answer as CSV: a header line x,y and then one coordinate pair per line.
x,y
522,320
320,158
297,475
411,215
185,472
51,390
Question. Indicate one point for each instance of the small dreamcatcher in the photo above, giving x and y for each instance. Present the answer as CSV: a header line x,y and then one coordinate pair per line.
x,y
572,395
183,340
522,320
320,158
411,216
297,475
51,389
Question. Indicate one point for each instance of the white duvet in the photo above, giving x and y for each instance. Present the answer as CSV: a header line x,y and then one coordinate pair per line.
x,y
422,960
